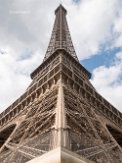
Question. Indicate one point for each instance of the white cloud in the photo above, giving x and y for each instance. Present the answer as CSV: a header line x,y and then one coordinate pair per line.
x,y
119,56
25,31
93,25
14,75
108,81
118,29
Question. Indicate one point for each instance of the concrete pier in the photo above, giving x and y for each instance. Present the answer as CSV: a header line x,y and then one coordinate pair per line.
x,y
60,155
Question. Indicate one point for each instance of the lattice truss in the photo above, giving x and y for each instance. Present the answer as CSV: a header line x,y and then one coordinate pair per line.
x,y
87,135
60,38
32,137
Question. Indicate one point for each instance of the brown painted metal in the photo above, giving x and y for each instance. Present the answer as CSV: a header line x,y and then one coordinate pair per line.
x,y
61,108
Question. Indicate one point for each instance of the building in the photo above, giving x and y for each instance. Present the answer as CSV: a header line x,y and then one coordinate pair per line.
x,y
60,118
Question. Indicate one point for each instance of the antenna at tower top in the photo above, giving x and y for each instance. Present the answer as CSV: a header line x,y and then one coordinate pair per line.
x,y
59,8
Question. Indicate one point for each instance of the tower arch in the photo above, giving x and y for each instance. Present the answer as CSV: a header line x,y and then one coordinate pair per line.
x,y
5,133
116,134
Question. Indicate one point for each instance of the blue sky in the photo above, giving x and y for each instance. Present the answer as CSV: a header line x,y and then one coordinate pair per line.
x,y
104,57
96,31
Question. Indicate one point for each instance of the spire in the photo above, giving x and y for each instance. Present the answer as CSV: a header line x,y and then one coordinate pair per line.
x,y
60,38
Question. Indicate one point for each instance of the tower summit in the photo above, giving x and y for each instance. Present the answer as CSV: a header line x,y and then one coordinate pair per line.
x,y
60,38
60,118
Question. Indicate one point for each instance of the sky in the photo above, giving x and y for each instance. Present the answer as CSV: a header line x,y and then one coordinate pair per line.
x,y
96,31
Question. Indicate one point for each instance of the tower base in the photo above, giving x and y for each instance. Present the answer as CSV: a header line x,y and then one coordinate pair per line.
x,y
59,155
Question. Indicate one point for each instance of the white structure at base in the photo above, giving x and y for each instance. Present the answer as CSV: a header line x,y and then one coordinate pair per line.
x,y
59,155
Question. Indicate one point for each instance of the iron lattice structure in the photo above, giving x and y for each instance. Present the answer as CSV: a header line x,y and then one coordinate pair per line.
x,y
61,108
60,38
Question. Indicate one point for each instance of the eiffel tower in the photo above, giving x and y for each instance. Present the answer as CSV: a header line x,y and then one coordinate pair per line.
x,y
61,118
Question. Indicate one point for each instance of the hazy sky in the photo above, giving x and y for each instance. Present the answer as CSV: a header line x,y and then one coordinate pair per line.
x,y
25,30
